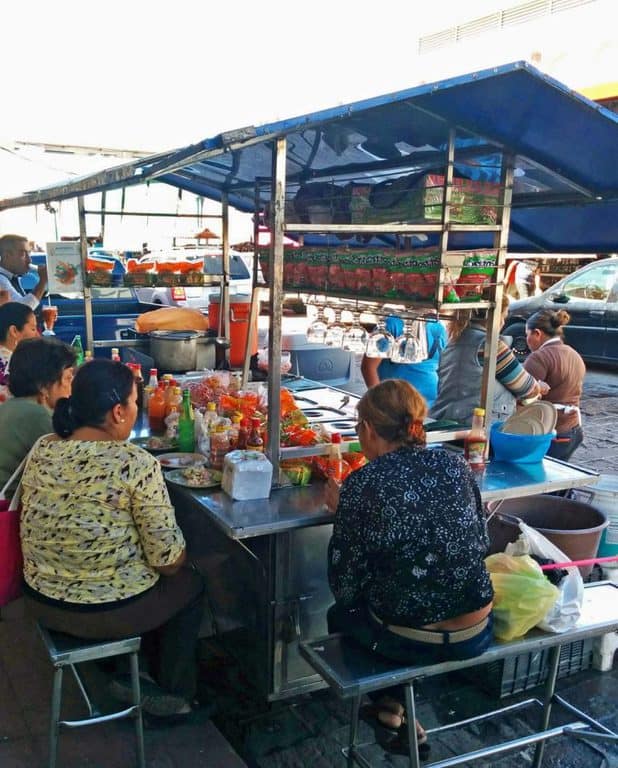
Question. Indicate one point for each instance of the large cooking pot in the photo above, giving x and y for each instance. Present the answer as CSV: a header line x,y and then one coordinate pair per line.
x,y
174,351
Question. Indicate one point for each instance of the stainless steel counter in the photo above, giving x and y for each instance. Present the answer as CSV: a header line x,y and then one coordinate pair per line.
x,y
291,508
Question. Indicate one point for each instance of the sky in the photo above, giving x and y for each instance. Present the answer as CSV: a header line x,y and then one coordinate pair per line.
x,y
135,74
145,75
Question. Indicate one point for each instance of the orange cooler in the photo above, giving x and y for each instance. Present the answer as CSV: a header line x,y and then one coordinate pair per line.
x,y
240,307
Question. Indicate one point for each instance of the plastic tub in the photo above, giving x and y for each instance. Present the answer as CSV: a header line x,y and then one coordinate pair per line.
x,y
518,449
574,527
604,496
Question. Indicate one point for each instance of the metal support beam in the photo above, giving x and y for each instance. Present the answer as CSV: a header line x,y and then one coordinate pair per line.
x,y
275,304
83,242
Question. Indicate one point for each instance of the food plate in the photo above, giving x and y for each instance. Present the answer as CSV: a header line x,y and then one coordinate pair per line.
x,y
180,460
155,445
195,477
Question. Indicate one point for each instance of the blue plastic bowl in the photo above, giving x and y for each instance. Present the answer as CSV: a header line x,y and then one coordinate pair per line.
x,y
518,449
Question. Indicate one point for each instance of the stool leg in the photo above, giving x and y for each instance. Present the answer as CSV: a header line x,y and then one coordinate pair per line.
x,y
55,716
354,710
411,718
80,684
548,699
137,700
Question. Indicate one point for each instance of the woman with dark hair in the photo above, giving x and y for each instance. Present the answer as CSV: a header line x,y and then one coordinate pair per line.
x,y
17,322
461,369
563,369
41,373
406,559
103,554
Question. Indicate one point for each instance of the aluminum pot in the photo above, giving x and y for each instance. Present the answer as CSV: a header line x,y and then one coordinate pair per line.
x,y
174,351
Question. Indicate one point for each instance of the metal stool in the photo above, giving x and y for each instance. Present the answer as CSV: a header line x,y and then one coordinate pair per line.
x,y
64,650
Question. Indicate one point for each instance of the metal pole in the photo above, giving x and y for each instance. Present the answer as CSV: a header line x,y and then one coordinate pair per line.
x,y
494,315
83,242
275,303
255,291
103,201
224,319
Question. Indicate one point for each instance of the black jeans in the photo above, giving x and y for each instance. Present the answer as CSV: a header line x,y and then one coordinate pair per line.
x,y
168,616
357,623
566,443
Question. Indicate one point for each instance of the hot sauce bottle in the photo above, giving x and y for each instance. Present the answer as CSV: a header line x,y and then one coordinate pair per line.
x,y
475,442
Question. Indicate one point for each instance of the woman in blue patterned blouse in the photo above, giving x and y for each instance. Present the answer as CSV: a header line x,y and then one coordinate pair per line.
x,y
406,559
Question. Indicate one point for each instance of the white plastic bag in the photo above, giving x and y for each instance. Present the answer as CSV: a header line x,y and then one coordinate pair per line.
x,y
566,611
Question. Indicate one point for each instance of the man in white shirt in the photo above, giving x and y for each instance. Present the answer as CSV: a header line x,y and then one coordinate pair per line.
x,y
14,262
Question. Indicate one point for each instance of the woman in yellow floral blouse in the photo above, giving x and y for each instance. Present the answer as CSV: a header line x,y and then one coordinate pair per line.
x,y
103,554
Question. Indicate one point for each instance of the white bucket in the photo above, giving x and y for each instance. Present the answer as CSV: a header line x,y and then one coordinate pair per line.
x,y
604,496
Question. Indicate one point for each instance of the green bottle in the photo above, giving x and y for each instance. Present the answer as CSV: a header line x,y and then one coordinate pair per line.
x,y
76,345
186,427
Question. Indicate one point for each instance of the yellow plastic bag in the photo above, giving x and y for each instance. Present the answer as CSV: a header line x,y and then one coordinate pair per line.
x,y
523,596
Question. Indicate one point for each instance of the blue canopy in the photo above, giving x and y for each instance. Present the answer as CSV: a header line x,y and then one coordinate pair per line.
x,y
565,191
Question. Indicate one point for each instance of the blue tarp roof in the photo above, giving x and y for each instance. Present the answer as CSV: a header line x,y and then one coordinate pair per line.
x,y
565,194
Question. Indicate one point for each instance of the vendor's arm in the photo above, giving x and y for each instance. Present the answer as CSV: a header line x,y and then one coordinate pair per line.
x,y
512,375
347,559
153,513
369,370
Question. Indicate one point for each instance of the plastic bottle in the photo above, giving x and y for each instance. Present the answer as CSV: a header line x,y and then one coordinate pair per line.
x,y
234,431
148,390
116,354
243,434
475,442
87,356
136,369
153,380
76,345
335,460
174,401
219,446
186,427
255,442
156,410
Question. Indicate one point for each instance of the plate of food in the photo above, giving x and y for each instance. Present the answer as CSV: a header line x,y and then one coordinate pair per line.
x,y
181,460
195,477
155,444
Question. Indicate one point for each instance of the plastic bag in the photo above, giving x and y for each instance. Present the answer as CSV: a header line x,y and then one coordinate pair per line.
x,y
566,611
522,594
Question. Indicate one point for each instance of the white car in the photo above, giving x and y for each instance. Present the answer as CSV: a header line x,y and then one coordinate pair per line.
x,y
198,297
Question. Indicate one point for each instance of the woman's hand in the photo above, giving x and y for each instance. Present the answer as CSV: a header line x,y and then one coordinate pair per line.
x,y
332,494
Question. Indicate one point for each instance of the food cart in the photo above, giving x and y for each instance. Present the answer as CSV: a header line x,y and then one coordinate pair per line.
x,y
408,201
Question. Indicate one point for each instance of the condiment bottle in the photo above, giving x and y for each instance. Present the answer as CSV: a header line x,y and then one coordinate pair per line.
x,y
156,410
87,356
219,446
76,345
136,369
243,433
186,427
153,381
115,354
335,460
234,430
475,442
255,441
174,401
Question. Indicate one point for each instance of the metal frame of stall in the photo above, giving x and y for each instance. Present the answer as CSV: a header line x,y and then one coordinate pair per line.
x,y
274,550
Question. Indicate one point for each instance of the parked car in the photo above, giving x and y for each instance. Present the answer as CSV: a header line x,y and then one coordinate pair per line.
x,y
590,296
